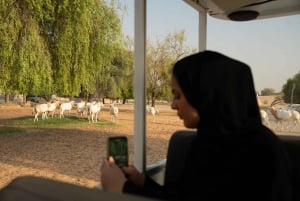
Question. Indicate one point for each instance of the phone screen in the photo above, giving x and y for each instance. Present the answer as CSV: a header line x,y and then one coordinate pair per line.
x,y
118,149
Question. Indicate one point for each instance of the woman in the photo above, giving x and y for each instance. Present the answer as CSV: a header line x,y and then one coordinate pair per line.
x,y
234,156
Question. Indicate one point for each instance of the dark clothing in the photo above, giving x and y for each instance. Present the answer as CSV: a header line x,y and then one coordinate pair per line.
x,y
234,157
150,189
255,169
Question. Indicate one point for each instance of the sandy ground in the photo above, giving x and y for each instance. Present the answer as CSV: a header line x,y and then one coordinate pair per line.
x,y
74,153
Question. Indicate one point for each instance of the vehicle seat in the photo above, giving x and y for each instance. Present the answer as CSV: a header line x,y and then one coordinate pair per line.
x,y
180,142
292,145
31,188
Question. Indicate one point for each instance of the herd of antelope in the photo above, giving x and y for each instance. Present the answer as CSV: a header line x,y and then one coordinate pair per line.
x,y
83,108
285,119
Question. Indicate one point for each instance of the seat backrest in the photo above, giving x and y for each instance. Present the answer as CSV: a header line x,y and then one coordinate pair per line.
x,y
30,188
180,143
178,147
292,145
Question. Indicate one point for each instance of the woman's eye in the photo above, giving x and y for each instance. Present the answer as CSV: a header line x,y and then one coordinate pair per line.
x,y
176,96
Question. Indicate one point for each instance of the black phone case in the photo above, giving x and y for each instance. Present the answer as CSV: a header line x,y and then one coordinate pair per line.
x,y
118,149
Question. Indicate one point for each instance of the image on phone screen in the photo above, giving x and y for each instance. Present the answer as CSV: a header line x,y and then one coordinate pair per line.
x,y
118,149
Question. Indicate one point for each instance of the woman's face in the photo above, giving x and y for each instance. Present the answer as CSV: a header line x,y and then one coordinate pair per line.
x,y
185,111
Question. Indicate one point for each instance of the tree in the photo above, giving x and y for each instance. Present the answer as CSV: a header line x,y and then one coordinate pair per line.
x,y
9,26
86,35
124,62
106,40
268,92
160,58
26,60
55,46
291,90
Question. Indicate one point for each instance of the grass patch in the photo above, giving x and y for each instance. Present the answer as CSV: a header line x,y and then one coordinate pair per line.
x,y
11,130
56,122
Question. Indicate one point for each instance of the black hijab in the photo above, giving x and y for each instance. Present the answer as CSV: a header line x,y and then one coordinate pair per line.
x,y
220,88
234,156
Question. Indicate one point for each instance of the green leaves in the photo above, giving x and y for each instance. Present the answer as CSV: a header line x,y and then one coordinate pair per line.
x,y
160,58
291,89
56,46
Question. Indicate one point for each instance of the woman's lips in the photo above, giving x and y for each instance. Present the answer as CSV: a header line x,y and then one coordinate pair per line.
x,y
180,117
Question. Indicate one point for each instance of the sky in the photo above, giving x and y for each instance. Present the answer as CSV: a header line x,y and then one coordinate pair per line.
x,y
271,47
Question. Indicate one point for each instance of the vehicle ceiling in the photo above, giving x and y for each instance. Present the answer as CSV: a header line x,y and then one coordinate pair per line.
x,y
242,10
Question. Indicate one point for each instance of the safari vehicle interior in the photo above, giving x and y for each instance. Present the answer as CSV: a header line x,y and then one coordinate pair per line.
x,y
165,171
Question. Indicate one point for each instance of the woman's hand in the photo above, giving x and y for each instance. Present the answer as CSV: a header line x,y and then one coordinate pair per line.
x,y
134,175
112,177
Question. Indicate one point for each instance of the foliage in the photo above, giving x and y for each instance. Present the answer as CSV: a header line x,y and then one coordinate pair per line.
x,y
124,63
75,48
57,46
291,89
86,35
268,92
126,78
160,59
9,26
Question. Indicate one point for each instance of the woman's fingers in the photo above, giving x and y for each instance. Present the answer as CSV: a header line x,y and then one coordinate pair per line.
x,y
111,160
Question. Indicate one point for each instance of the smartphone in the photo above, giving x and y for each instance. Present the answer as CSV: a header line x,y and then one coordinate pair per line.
x,y
118,149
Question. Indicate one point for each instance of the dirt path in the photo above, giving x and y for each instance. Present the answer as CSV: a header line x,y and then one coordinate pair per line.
x,y
74,154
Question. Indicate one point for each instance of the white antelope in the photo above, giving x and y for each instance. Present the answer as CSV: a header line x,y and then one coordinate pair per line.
x,y
65,107
81,106
288,116
265,118
40,109
153,111
93,111
52,107
114,112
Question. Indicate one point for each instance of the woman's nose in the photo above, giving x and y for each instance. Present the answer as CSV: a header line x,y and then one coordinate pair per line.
x,y
173,105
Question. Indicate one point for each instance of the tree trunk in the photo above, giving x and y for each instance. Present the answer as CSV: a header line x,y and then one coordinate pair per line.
x,y
153,99
24,98
6,98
